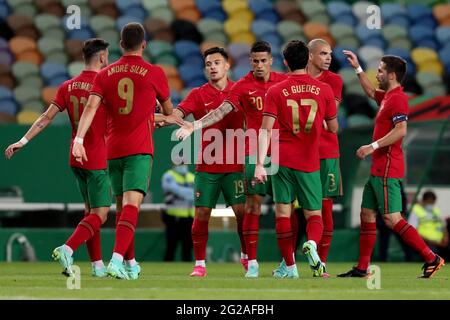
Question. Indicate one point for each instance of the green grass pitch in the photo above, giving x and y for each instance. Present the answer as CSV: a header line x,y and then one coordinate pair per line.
x,y
224,281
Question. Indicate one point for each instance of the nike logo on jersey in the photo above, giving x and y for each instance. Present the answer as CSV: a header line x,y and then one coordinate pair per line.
x,y
252,92
207,104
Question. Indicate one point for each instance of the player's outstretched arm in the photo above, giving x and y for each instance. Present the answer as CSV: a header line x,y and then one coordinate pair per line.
x,y
208,120
176,117
88,115
332,125
397,133
367,86
265,134
37,127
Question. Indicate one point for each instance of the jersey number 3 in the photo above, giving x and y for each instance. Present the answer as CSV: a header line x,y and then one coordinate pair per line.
x,y
125,89
296,114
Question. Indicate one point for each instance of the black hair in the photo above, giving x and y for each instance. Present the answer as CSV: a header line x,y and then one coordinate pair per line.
x,y
397,65
261,46
92,46
132,35
296,55
429,195
216,50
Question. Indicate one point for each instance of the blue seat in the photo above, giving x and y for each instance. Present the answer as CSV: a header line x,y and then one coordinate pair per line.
x,y
217,14
261,27
5,93
443,35
402,53
186,48
365,34
418,32
82,34
259,6
273,39
175,97
123,20
51,70
4,44
239,50
57,81
4,10
348,19
444,54
123,5
6,57
376,42
206,6
429,43
400,21
340,57
188,71
269,15
418,11
240,71
391,10
8,106
195,59
136,11
196,82
338,8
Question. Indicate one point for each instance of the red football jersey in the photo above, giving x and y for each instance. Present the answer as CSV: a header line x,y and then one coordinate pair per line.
x,y
300,104
73,95
329,144
199,102
129,89
248,94
389,162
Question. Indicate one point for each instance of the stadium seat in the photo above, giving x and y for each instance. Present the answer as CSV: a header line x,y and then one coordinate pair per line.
x,y
27,117
360,9
205,45
6,57
371,56
48,94
20,45
52,70
244,37
443,35
338,8
151,5
390,11
422,55
261,27
239,51
6,94
289,11
231,6
208,25
314,30
218,36
186,48
50,45
4,10
75,68
206,6
240,71
24,94
289,29
358,120
101,22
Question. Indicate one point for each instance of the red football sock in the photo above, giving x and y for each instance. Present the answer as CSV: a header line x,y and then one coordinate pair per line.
x,y
85,230
284,239
129,254
199,238
367,238
93,245
118,217
240,225
327,218
251,233
125,228
410,235
294,226
314,228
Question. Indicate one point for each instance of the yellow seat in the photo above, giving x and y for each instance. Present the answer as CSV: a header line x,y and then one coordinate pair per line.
x,y
422,55
245,16
27,117
244,37
231,6
432,67
233,26
371,75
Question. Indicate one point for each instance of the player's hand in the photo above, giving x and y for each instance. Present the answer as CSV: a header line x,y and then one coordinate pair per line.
x,y
173,119
79,152
12,149
185,131
260,174
364,151
351,58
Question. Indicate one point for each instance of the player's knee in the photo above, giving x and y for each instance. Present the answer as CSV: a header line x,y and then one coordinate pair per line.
x,y
202,213
391,219
368,215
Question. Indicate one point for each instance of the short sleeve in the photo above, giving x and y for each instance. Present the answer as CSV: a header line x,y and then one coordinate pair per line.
x,y
59,100
97,88
270,104
187,106
399,110
161,84
331,110
379,96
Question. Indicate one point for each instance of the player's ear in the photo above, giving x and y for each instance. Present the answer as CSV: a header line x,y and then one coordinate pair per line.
x,y
144,44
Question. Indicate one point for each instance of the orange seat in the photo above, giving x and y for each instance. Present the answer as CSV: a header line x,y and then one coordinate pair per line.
x,y
17,22
7,80
169,70
314,30
180,5
176,84
210,44
32,56
288,10
441,12
19,45
189,14
48,94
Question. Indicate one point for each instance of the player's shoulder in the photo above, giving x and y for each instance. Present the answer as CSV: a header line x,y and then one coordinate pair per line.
x,y
278,76
332,75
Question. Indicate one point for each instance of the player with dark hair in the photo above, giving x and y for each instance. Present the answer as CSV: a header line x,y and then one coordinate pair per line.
x,y
92,176
129,89
300,104
382,192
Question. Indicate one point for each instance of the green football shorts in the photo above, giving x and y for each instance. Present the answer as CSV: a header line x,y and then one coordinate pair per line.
x,y
382,195
289,183
130,173
95,186
209,185
330,175
258,188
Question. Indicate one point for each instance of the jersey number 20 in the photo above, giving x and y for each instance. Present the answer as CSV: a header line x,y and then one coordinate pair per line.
x,y
296,114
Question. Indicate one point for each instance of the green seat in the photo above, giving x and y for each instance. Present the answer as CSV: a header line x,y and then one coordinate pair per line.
x,y
57,57
354,88
288,28
101,22
67,3
26,9
34,81
158,47
435,90
218,36
348,42
322,18
341,31
75,68
22,70
55,33
168,59
61,119
206,26
163,13
427,79
23,94
151,5
311,8
348,76
16,3
401,42
47,21
35,105
48,45
110,35
393,31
